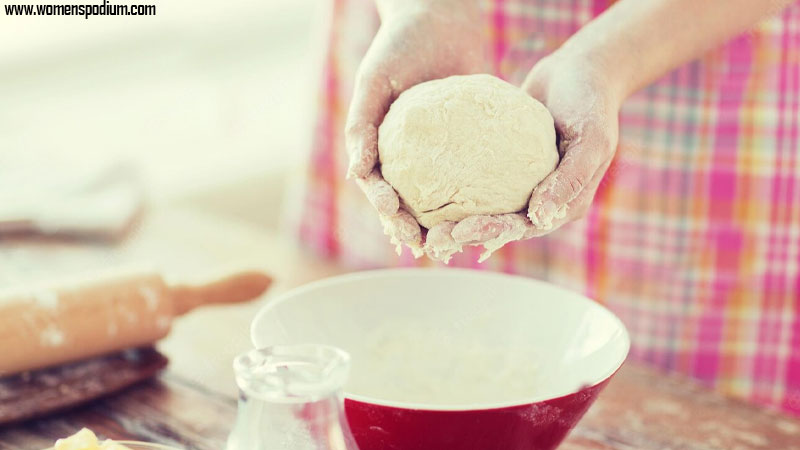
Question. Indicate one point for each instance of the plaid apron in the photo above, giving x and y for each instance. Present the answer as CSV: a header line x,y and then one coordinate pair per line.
x,y
694,235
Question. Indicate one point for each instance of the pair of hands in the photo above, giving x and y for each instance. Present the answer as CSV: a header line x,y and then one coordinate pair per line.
x,y
424,44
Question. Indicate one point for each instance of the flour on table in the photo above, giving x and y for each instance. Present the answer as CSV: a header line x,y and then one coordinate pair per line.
x,y
51,336
150,296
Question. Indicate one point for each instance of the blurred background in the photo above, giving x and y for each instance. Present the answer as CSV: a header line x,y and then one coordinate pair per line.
x,y
198,116
210,101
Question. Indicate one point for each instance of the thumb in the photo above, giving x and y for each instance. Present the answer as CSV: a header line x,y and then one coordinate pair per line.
x,y
371,98
550,199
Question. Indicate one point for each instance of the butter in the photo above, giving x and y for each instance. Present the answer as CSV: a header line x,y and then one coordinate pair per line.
x,y
85,439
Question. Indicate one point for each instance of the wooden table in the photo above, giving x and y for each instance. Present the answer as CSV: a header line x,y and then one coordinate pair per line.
x,y
192,404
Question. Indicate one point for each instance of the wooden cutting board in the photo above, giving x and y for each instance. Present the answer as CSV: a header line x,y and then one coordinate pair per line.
x,y
641,409
38,393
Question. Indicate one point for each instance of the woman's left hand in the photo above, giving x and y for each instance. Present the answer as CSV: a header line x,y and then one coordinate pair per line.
x,y
585,103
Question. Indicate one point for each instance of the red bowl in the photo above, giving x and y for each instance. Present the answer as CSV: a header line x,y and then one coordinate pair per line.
x,y
541,425
455,359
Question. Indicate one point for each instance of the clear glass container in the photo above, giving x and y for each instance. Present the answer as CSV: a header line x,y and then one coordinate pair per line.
x,y
290,398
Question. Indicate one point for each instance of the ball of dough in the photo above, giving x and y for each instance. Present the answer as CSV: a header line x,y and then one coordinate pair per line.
x,y
466,145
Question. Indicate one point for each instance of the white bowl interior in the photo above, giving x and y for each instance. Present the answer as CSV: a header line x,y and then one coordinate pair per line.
x,y
455,339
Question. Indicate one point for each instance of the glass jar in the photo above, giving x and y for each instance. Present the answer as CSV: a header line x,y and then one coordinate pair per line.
x,y
290,398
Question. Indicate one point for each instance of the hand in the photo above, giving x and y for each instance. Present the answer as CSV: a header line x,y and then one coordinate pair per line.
x,y
585,105
417,42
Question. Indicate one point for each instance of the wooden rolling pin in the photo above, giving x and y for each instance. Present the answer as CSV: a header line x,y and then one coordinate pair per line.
x,y
70,320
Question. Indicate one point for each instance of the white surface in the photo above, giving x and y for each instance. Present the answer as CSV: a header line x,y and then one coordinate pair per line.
x,y
572,340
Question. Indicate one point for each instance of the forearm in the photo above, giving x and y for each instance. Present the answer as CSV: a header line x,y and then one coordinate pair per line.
x,y
387,8
637,41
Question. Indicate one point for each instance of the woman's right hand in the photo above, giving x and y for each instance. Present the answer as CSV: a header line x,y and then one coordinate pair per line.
x,y
418,41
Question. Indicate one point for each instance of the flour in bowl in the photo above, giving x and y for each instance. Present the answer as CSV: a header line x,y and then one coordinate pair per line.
x,y
422,365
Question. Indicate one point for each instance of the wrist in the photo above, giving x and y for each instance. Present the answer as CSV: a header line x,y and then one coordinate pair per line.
x,y
610,67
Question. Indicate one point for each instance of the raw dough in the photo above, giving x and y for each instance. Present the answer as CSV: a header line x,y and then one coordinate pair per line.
x,y
465,145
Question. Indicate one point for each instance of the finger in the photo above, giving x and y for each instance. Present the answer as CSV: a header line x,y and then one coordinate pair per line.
x,y
493,232
439,243
380,193
372,95
403,229
479,229
581,204
550,199
578,207
514,230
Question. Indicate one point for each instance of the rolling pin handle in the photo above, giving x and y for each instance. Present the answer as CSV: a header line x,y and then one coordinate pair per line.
x,y
236,288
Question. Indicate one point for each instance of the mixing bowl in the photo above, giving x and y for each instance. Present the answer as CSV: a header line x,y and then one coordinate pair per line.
x,y
455,359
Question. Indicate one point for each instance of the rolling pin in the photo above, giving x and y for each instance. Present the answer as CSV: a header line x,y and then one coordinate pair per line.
x,y
46,325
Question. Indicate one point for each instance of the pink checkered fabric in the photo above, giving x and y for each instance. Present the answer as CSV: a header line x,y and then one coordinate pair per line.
x,y
694,236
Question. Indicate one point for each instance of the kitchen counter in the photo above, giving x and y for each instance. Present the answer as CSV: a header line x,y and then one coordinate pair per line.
x,y
192,404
